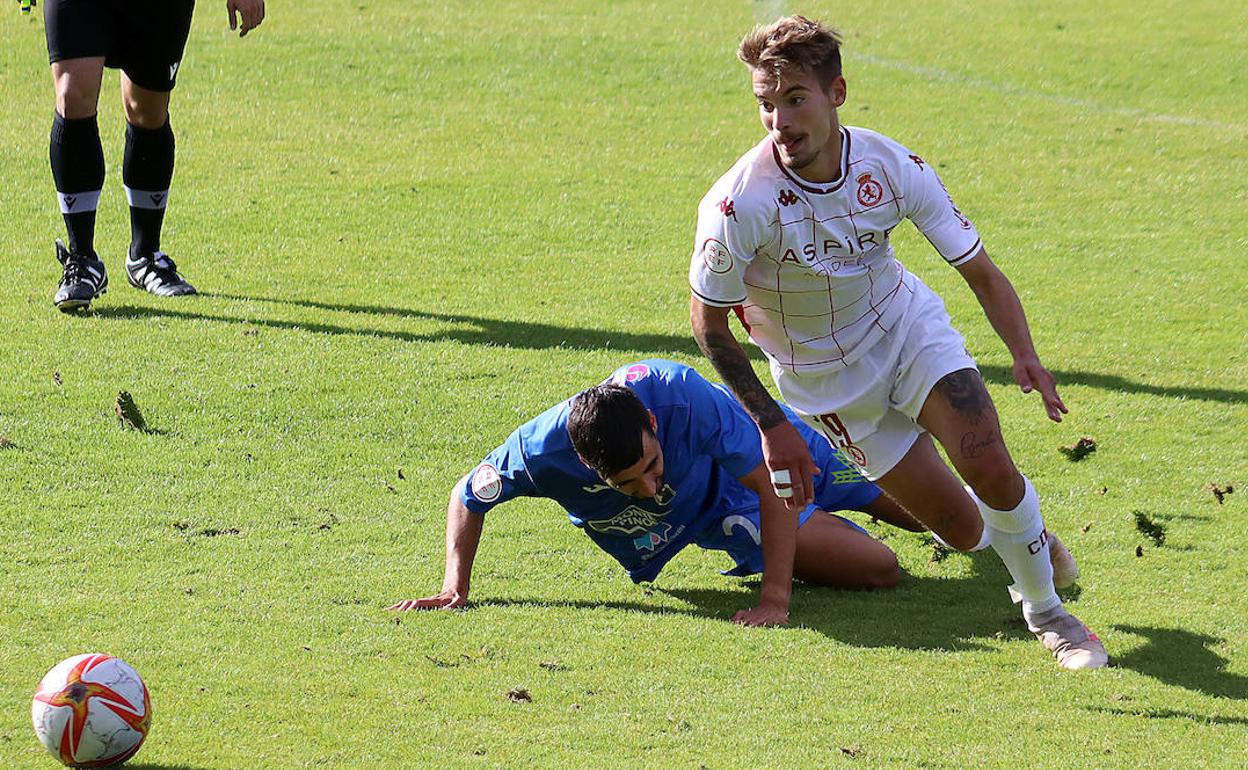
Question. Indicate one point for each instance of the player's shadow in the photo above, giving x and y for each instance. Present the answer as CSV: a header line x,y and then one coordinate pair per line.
x,y
1002,375
921,613
1183,658
483,330
462,328
1152,713
939,614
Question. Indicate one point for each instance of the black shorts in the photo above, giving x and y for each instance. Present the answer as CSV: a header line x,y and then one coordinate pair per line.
x,y
143,38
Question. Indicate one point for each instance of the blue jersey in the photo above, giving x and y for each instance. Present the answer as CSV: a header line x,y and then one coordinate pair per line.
x,y
708,442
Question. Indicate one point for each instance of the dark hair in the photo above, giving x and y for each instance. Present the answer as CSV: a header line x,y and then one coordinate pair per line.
x,y
607,423
793,42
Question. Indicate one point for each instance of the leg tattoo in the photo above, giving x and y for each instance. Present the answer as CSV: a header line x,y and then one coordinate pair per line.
x,y
964,391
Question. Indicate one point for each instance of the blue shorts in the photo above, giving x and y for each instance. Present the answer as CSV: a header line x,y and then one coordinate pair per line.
x,y
838,487
738,534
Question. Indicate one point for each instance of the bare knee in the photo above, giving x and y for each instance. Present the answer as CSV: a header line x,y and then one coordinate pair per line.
x,y
144,108
880,570
963,534
77,85
833,553
76,99
878,567
955,518
143,114
886,573
998,484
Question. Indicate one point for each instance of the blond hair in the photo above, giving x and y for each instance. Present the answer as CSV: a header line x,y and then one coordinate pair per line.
x,y
793,42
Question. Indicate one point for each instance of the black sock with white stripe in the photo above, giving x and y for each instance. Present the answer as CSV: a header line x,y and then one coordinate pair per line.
x,y
146,172
78,171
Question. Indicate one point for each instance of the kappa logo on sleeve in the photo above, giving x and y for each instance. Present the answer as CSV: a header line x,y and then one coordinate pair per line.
x,y
716,256
962,220
869,191
636,372
487,485
631,374
726,208
917,161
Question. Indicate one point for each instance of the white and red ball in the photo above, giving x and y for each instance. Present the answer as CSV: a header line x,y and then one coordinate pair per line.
x,y
91,710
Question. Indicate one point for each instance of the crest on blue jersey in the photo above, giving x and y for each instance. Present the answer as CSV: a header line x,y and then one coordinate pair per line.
x,y
487,485
652,540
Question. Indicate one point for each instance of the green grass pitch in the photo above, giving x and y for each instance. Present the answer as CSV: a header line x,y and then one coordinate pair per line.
x,y
417,224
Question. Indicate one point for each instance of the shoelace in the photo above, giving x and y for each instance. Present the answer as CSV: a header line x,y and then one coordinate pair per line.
x,y
163,264
159,263
76,271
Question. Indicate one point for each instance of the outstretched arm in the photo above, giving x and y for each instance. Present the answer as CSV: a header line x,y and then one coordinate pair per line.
x,y
783,447
779,534
1005,312
463,534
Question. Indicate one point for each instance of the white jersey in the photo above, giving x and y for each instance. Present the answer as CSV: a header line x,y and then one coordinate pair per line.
x,y
809,266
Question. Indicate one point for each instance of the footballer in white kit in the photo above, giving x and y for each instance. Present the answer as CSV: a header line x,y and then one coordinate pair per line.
x,y
794,239
813,274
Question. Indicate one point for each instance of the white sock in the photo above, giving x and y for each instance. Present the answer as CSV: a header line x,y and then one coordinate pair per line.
x,y
1019,538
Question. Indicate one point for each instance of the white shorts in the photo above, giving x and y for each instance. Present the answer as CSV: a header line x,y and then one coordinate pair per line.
x,y
869,409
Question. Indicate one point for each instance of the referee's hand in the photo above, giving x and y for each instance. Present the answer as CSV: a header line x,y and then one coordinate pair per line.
x,y
245,15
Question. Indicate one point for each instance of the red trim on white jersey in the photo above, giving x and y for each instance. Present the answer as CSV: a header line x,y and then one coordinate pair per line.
x,y
740,313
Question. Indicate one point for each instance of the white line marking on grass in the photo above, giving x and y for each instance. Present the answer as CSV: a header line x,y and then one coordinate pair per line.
x,y
945,76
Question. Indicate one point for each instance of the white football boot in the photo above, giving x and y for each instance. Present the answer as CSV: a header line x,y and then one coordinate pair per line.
x,y
1070,641
1065,570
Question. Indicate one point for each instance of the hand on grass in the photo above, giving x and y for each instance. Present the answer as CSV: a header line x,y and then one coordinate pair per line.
x,y
446,600
763,615
1030,375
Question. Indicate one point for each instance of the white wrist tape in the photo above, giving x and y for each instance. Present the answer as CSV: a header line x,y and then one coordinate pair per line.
x,y
782,476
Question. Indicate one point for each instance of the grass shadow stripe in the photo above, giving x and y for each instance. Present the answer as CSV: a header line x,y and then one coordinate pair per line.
x,y
542,336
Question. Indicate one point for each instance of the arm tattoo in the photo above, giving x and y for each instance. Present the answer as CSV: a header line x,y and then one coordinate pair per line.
x,y
730,361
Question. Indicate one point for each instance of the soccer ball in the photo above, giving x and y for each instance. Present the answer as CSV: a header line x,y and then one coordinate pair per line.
x,y
91,711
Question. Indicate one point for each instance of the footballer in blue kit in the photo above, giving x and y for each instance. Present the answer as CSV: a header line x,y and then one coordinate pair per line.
x,y
657,458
